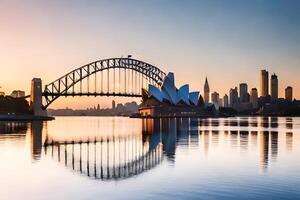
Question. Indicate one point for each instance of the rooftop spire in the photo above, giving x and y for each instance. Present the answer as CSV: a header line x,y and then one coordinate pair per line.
x,y
206,86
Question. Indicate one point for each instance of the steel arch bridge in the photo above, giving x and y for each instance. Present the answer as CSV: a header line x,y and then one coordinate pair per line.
x,y
108,77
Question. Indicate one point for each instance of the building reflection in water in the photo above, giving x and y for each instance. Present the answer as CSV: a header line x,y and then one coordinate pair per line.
x,y
234,139
36,139
18,128
274,122
244,135
206,141
274,145
265,122
289,123
254,122
264,149
194,132
118,157
289,141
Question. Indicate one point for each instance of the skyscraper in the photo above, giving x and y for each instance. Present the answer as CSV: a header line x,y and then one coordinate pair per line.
x,y
215,99
274,86
264,83
113,104
243,92
254,98
289,93
206,91
225,101
234,97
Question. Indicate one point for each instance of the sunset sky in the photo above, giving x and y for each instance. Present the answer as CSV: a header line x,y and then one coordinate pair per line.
x,y
227,41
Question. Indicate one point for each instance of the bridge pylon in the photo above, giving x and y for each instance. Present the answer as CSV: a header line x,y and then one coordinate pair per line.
x,y
36,98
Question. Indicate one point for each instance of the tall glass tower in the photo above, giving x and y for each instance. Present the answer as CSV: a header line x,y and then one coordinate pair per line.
x,y
274,86
264,83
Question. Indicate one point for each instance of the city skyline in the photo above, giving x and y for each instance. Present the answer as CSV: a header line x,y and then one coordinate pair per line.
x,y
227,42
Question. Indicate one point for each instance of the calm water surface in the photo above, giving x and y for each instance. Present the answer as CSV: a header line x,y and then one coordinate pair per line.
x,y
122,158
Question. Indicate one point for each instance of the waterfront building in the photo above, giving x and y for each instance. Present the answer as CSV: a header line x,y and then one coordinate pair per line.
x,y
17,94
169,101
289,93
264,83
206,91
234,97
215,99
274,86
254,98
225,100
243,92
113,104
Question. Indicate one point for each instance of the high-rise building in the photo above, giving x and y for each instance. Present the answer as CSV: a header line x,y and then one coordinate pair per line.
x,y
234,97
206,91
225,101
113,106
254,98
289,93
274,86
17,93
243,92
215,100
264,83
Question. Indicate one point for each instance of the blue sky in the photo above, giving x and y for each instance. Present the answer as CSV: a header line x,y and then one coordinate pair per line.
x,y
228,41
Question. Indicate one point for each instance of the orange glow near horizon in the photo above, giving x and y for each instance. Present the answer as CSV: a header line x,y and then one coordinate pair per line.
x,y
47,40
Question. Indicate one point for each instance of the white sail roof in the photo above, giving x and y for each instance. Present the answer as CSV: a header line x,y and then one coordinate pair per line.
x,y
184,94
169,93
193,96
155,92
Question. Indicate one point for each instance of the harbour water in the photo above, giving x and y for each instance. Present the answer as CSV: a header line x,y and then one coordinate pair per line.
x,y
123,158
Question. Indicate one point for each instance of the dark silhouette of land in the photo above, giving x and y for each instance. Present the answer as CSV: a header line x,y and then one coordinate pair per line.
x,y
120,110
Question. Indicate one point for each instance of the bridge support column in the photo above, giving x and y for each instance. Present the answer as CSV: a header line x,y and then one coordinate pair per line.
x,y
36,98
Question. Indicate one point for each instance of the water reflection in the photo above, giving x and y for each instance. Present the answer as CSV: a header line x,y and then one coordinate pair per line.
x,y
36,139
274,145
107,159
289,141
264,149
13,127
113,157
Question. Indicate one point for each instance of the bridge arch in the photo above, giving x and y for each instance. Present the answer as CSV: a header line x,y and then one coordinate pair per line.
x,y
127,73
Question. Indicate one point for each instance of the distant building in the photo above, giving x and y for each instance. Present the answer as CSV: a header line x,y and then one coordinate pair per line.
x,y
274,86
215,99
234,97
206,91
243,92
221,102
225,100
289,93
98,107
113,104
264,83
254,98
17,93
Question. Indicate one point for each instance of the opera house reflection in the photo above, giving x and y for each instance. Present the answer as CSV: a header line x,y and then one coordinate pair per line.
x,y
116,157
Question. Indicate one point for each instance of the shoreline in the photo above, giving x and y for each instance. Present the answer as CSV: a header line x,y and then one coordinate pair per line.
x,y
25,118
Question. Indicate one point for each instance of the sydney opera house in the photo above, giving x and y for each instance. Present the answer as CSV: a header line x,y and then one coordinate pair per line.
x,y
168,101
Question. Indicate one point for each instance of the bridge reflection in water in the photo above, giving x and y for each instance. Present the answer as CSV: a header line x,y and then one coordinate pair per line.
x,y
109,158
118,157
